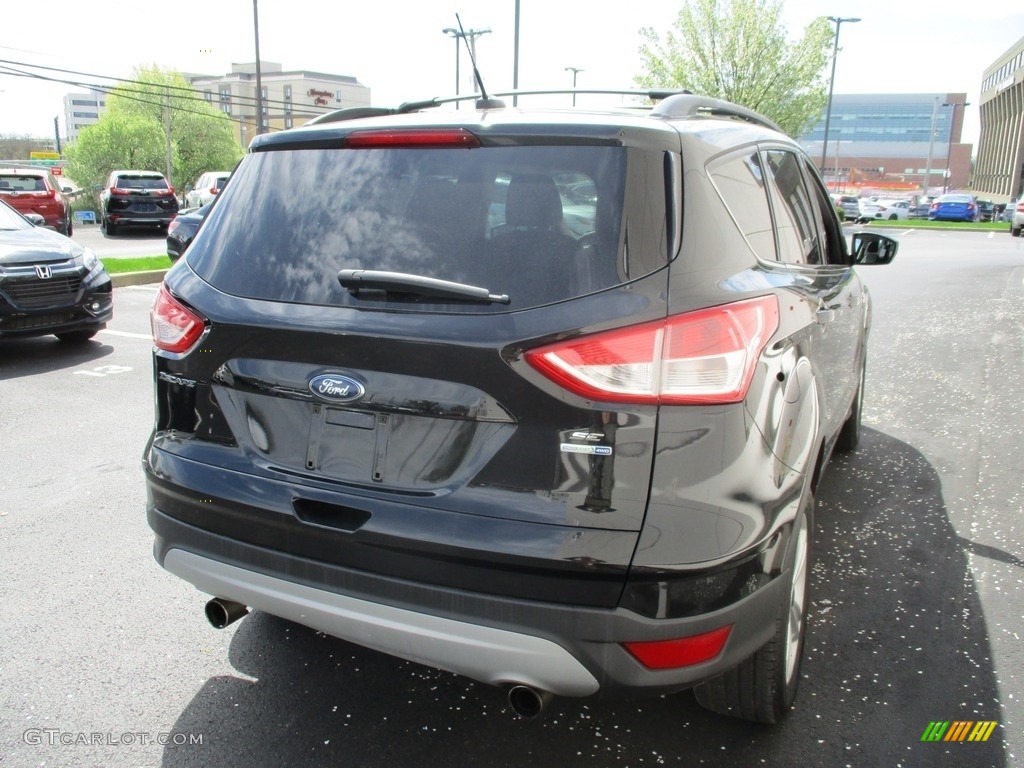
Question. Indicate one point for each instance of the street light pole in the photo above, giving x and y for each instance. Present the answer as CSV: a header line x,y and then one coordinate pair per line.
x,y
831,83
931,148
575,71
949,147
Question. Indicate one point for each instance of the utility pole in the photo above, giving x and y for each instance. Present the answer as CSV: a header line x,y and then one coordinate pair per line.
x,y
472,35
56,134
167,135
259,81
515,59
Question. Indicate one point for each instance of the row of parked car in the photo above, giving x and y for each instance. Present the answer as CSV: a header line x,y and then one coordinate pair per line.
x,y
128,198
949,207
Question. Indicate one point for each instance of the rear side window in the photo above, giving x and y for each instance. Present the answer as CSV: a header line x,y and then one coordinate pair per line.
x,y
540,224
741,185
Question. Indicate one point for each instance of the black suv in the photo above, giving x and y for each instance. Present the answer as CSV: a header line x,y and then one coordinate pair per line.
x,y
402,397
137,197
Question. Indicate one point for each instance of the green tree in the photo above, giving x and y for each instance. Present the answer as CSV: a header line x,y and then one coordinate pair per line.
x,y
145,119
738,50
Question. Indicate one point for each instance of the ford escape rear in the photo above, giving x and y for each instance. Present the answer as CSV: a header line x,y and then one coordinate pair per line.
x,y
402,398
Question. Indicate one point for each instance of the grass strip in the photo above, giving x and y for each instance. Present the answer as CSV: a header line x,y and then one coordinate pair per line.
x,y
136,264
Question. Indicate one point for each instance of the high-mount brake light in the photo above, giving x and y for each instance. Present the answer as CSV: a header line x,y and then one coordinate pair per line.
x,y
176,328
419,138
703,357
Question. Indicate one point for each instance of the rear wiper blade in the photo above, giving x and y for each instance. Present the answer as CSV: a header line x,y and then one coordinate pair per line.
x,y
356,280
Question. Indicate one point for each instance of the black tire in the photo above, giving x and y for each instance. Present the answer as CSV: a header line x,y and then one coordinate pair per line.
x,y
109,228
1015,231
849,434
893,217
75,337
763,688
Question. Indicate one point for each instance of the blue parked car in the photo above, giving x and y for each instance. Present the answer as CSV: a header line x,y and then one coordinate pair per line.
x,y
955,207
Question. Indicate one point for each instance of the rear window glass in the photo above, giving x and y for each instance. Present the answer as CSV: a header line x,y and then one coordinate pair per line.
x,y
539,224
22,183
141,182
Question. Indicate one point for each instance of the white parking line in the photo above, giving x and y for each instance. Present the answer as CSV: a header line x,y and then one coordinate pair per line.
x,y
126,334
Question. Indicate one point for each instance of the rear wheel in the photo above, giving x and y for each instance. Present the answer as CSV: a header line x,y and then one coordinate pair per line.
x,y
109,228
1015,231
763,687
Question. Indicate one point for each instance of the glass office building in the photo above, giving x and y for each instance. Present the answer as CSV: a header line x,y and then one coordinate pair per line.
x,y
898,137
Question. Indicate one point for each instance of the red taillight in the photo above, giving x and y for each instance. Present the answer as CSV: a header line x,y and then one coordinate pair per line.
x,y
173,226
1020,207
934,206
169,192
419,138
214,190
176,328
119,191
702,357
680,652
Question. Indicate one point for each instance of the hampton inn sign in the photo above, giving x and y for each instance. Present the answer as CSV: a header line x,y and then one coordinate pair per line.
x,y
321,97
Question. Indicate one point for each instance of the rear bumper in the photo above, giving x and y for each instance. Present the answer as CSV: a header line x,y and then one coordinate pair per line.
x,y
565,649
163,218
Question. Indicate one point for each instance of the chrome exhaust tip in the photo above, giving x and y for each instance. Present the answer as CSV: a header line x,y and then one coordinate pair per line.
x,y
220,612
528,702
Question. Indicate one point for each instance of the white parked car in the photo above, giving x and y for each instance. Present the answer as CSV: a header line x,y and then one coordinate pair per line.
x,y
893,210
206,188
1017,219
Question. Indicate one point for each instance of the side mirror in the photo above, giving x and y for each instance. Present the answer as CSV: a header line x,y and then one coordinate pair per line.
x,y
35,218
872,248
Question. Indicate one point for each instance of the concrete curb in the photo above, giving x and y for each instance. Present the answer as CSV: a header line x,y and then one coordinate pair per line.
x,y
122,279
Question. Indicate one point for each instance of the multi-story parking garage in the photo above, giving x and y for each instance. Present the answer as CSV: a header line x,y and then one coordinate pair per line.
x,y
999,170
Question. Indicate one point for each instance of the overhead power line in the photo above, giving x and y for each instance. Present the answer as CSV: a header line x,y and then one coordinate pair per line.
x,y
187,93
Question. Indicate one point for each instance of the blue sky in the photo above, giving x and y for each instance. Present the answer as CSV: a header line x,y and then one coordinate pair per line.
x,y
399,51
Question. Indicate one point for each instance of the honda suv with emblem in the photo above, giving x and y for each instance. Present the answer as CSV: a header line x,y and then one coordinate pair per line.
x,y
49,284
421,411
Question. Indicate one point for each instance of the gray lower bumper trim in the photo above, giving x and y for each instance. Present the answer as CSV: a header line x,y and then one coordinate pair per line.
x,y
490,655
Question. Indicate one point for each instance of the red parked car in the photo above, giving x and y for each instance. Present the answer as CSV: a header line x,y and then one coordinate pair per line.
x,y
37,190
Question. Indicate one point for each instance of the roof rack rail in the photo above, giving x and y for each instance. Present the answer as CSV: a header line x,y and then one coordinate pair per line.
x,y
689,105
353,113
654,94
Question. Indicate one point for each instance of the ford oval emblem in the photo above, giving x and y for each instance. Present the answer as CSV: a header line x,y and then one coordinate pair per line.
x,y
336,388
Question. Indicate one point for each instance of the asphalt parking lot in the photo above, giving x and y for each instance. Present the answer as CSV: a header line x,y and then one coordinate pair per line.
x,y
917,592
